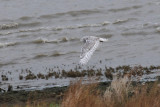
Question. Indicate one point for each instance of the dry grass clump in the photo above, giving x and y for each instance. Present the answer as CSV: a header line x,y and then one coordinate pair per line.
x,y
118,92
145,96
45,103
40,103
79,95
121,93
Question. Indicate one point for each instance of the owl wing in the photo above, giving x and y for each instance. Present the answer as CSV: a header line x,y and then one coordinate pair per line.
x,y
87,50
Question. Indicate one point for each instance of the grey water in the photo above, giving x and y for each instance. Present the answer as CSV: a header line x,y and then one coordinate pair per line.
x,y
41,34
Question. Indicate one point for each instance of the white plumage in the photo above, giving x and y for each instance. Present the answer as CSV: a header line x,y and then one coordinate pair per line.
x,y
90,45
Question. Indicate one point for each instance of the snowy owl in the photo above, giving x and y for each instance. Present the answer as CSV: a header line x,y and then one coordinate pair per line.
x,y
90,45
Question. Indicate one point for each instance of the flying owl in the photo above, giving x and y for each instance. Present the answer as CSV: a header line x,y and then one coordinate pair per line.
x,y
90,45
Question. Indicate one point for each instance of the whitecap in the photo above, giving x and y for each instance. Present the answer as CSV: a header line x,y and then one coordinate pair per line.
x,y
8,26
7,44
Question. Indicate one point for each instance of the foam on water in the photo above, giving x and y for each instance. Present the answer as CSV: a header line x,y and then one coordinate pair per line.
x,y
2,45
58,40
8,26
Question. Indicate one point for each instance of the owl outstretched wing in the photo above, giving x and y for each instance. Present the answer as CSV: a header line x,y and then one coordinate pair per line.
x,y
88,49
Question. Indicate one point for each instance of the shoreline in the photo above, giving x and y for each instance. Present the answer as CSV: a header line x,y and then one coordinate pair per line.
x,y
28,80
52,95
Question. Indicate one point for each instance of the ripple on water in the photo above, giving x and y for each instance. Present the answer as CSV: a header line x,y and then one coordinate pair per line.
x,y
125,8
39,56
58,40
71,13
8,26
2,45
25,18
131,33
30,24
120,21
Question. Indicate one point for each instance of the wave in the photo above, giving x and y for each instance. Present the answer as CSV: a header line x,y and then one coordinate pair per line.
x,y
54,54
41,40
53,28
125,8
119,21
82,12
8,44
71,13
106,35
40,56
150,25
80,26
66,39
135,33
31,24
59,40
6,33
29,30
25,18
8,63
8,26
